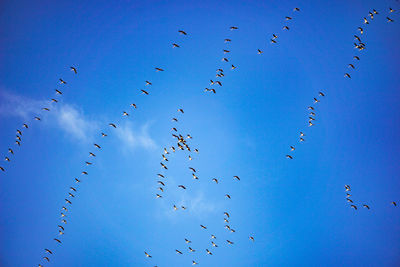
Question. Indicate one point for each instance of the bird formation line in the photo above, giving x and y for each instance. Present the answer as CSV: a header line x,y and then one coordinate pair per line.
x,y
38,118
77,180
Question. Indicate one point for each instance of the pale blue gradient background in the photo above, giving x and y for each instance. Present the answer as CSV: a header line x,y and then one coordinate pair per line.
x,y
296,209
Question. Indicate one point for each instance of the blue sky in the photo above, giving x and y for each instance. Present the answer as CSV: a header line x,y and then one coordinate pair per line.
x,y
295,209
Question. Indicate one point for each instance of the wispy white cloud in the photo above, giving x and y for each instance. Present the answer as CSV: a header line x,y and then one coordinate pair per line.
x,y
68,118
72,120
133,138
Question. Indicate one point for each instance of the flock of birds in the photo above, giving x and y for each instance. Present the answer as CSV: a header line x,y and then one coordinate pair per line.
x,y
360,46
19,132
182,143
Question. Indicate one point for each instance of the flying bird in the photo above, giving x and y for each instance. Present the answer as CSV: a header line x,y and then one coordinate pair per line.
x,y
215,180
233,28
289,157
46,258
288,18
58,92
178,252
73,69
11,151
62,81
226,214
394,203
356,57
229,242
389,19
187,241
158,69
133,105
96,145
202,226
112,125
296,9
175,45
180,110
208,252
259,51
58,240
228,196
144,92
182,32
251,238
181,186
366,206
354,207
25,126
236,177
191,250
351,66
147,255
347,75
227,40
285,28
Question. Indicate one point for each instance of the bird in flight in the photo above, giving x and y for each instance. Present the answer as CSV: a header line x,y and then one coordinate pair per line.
x,y
236,177
62,81
296,9
229,242
251,238
285,28
182,32
394,203
289,157
233,28
347,75
144,92
202,226
159,69
73,69
208,252
389,19
366,206
112,125
58,92
215,180
147,255
175,45
259,51
178,251
182,186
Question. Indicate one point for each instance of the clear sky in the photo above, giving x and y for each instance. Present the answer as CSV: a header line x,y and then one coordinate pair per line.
x,y
296,210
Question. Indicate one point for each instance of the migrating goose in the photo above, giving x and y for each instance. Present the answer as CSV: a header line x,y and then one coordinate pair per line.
x,y
366,206
178,252
144,92
389,19
191,250
73,69
58,92
285,28
182,186
208,252
175,45
347,75
251,238
182,32
229,242
112,125
202,226
187,241
289,157
215,180
158,69
147,255
96,145
62,81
